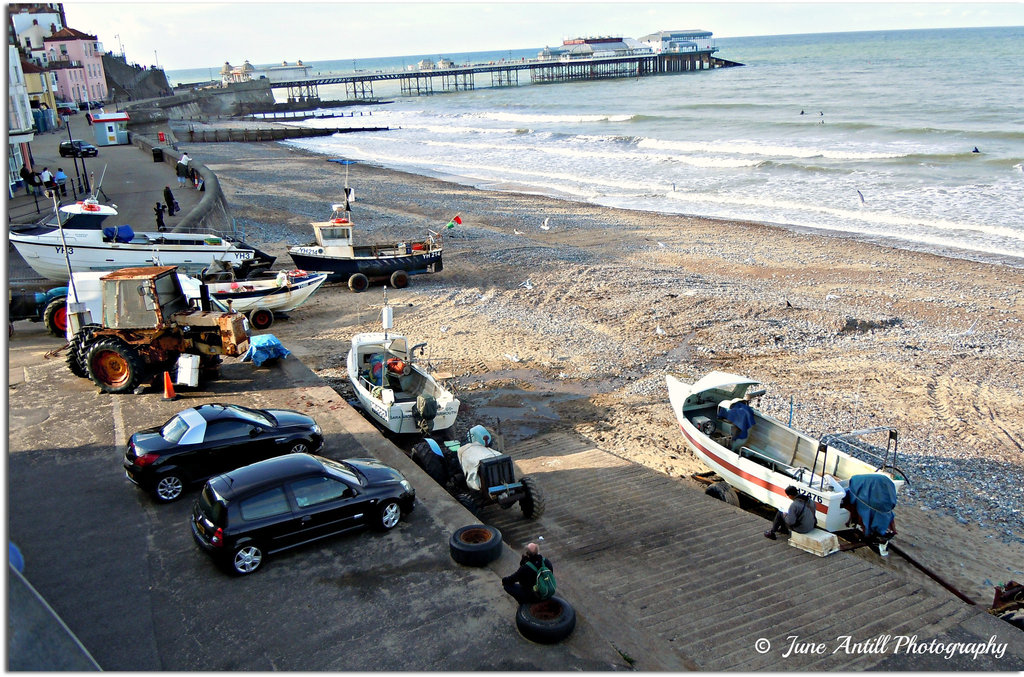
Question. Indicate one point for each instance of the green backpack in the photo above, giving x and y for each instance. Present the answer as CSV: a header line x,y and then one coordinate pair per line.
x,y
545,585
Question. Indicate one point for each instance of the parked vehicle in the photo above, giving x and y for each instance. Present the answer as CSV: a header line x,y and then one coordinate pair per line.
x,y
197,443
281,503
66,110
48,307
77,149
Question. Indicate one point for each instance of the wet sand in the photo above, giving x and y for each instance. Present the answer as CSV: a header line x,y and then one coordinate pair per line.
x,y
573,328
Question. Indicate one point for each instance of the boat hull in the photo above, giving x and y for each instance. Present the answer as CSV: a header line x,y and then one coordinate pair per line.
x,y
249,294
339,269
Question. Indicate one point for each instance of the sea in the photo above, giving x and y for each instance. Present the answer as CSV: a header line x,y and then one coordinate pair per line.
x,y
911,138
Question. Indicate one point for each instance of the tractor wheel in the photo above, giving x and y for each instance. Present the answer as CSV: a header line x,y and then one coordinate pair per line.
x,y
358,282
261,318
56,316
475,545
399,279
114,366
533,503
723,492
546,622
468,502
76,358
431,463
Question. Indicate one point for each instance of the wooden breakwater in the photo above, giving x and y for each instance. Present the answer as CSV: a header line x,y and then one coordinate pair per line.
x,y
270,134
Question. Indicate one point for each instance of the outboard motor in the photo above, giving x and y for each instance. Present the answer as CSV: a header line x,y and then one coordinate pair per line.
x,y
425,412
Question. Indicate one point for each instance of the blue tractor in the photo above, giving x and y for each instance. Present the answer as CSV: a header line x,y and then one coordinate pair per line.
x,y
49,307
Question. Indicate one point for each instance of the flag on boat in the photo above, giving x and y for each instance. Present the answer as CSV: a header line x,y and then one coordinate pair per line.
x,y
456,220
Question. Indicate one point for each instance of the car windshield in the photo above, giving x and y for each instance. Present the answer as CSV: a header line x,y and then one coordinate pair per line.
x,y
344,471
253,415
174,429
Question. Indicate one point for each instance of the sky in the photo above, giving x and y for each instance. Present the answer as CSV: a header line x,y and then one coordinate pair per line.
x,y
184,35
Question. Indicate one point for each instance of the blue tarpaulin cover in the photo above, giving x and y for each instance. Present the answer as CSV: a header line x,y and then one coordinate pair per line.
x,y
873,497
118,233
264,347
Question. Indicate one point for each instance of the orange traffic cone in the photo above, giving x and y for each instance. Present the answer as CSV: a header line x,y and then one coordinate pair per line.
x,y
168,387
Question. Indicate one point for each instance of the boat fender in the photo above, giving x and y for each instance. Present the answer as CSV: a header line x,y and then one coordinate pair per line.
x,y
434,447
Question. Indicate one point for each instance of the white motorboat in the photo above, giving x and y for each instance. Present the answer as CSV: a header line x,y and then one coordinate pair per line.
x,y
395,389
774,456
91,247
260,298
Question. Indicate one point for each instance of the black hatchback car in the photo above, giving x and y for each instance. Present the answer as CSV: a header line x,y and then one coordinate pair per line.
x,y
77,149
200,442
244,515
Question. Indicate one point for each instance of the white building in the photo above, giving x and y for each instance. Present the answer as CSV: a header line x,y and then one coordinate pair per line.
x,y
19,119
674,42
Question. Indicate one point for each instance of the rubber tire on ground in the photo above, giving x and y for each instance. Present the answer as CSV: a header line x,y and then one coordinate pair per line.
x,y
723,492
546,622
261,318
114,366
55,317
246,559
399,279
475,545
431,463
358,282
388,515
533,503
169,488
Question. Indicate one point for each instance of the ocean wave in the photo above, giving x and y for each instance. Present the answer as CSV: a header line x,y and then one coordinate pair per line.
x,y
543,118
756,149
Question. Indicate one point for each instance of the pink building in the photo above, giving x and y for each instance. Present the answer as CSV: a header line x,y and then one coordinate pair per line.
x,y
77,59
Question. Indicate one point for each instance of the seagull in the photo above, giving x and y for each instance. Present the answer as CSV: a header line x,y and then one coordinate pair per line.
x,y
831,297
662,245
511,358
518,232
749,259
861,196
527,284
545,225
659,331
445,328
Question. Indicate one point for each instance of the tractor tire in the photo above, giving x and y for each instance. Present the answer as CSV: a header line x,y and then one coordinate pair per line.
x,y
75,359
431,463
546,622
723,492
114,366
399,279
261,318
532,504
475,545
55,317
468,502
358,282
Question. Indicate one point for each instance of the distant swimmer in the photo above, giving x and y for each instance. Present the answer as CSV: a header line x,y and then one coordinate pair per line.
x,y
975,150
861,196
801,112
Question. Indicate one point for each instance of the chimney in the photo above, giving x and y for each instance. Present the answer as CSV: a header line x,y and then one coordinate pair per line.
x,y
53,28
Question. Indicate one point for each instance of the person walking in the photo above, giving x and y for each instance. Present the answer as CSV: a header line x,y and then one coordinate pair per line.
x,y
62,179
47,178
520,584
169,200
159,211
181,170
799,518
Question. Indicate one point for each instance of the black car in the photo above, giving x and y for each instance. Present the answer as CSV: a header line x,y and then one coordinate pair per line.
x,y
77,149
244,515
200,442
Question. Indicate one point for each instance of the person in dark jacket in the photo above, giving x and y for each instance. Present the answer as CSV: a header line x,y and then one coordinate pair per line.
x,y
520,584
169,200
799,518
159,211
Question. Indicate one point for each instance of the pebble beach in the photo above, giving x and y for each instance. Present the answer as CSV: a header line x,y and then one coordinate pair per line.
x,y
557,315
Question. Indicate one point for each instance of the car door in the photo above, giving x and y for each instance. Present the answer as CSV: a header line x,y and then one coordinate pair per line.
x,y
325,506
229,444
268,518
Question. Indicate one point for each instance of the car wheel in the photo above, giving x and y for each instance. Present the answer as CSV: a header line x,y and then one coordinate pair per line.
x,y
546,622
533,503
300,447
399,279
56,316
358,282
389,515
247,559
475,545
114,366
723,492
168,488
261,318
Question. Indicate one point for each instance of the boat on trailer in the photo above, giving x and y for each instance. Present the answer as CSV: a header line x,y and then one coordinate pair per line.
x,y
393,387
775,455
335,253
260,297
92,247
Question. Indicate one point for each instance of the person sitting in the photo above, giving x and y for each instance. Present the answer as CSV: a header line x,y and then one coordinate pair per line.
x,y
520,583
799,518
740,415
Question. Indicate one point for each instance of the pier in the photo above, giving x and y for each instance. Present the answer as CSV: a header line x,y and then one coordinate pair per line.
x,y
507,74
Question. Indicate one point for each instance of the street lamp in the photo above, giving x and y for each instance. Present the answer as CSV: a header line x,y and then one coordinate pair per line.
x,y
74,156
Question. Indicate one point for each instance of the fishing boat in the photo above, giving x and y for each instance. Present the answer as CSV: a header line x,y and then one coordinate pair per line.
x,y
336,253
92,247
774,456
261,297
393,388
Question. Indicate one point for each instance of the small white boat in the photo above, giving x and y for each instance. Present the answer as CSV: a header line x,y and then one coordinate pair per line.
x,y
91,247
774,455
260,298
393,388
